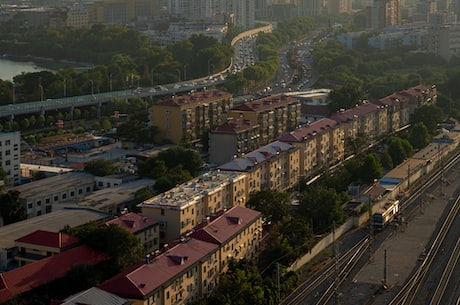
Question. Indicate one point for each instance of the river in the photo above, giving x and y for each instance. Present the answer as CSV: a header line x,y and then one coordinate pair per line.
x,y
10,68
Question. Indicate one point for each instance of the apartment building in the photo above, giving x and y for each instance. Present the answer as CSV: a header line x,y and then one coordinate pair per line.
x,y
232,139
146,229
182,208
418,96
190,268
274,166
275,115
444,40
120,12
336,7
183,119
320,144
41,244
384,13
10,152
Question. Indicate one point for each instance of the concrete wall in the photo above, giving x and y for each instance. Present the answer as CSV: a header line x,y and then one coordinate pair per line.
x,y
322,244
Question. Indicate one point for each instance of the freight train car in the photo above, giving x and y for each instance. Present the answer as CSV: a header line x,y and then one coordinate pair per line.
x,y
386,215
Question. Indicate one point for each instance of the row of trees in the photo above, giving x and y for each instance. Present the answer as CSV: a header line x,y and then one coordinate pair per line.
x,y
117,58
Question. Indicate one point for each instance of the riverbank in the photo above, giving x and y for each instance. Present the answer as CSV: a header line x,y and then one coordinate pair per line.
x,y
48,63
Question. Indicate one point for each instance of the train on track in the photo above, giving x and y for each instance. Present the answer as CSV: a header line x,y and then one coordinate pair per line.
x,y
386,215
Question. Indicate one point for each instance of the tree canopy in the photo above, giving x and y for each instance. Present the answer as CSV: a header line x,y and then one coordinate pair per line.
x,y
11,210
273,205
101,167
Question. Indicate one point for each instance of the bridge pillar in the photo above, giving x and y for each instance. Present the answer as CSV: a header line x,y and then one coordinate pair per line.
x,y
99,109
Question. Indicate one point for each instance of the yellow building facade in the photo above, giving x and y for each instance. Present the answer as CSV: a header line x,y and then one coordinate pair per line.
x,y
183,119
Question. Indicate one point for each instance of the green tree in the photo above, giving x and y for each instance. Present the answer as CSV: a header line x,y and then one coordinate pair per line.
x,y
371,168
188,158
344,97
152,168
419,136
396,150
323,206
430,115
273,205
385,159
100,167
11,209
122,246
241,284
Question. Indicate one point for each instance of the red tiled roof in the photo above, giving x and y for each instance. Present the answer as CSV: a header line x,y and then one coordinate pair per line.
x,y
49,239
195,98
132,222
356,112
303,133
43,271
235,126
227,225
143,278
268,102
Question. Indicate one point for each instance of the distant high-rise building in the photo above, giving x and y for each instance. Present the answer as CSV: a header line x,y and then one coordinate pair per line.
x,y
311,7
10,151
384,13
335,7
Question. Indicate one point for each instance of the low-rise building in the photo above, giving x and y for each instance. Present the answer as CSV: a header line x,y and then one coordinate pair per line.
x,y
31,276
38,197
275,166
52,222
232,139
189,269
41,244
145,228
183,207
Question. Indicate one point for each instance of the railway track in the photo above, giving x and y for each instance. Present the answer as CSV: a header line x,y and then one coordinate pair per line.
x,y
333,275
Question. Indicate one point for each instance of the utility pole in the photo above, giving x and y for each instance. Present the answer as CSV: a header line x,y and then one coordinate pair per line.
x,y
371,230
278,281
385,267
336,267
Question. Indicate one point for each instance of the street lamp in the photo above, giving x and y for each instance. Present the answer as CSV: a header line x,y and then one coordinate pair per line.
x,y
110,82
41,88
65,93
185,72
178,74
151,73
14,92
92,86
41,92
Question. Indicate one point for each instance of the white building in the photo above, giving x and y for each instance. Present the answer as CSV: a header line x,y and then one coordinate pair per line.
x,y
10,151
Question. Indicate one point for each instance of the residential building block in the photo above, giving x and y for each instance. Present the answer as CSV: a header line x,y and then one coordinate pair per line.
x,y
274,166
275,115
146,229
182,208
183,119
232,139
189,269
